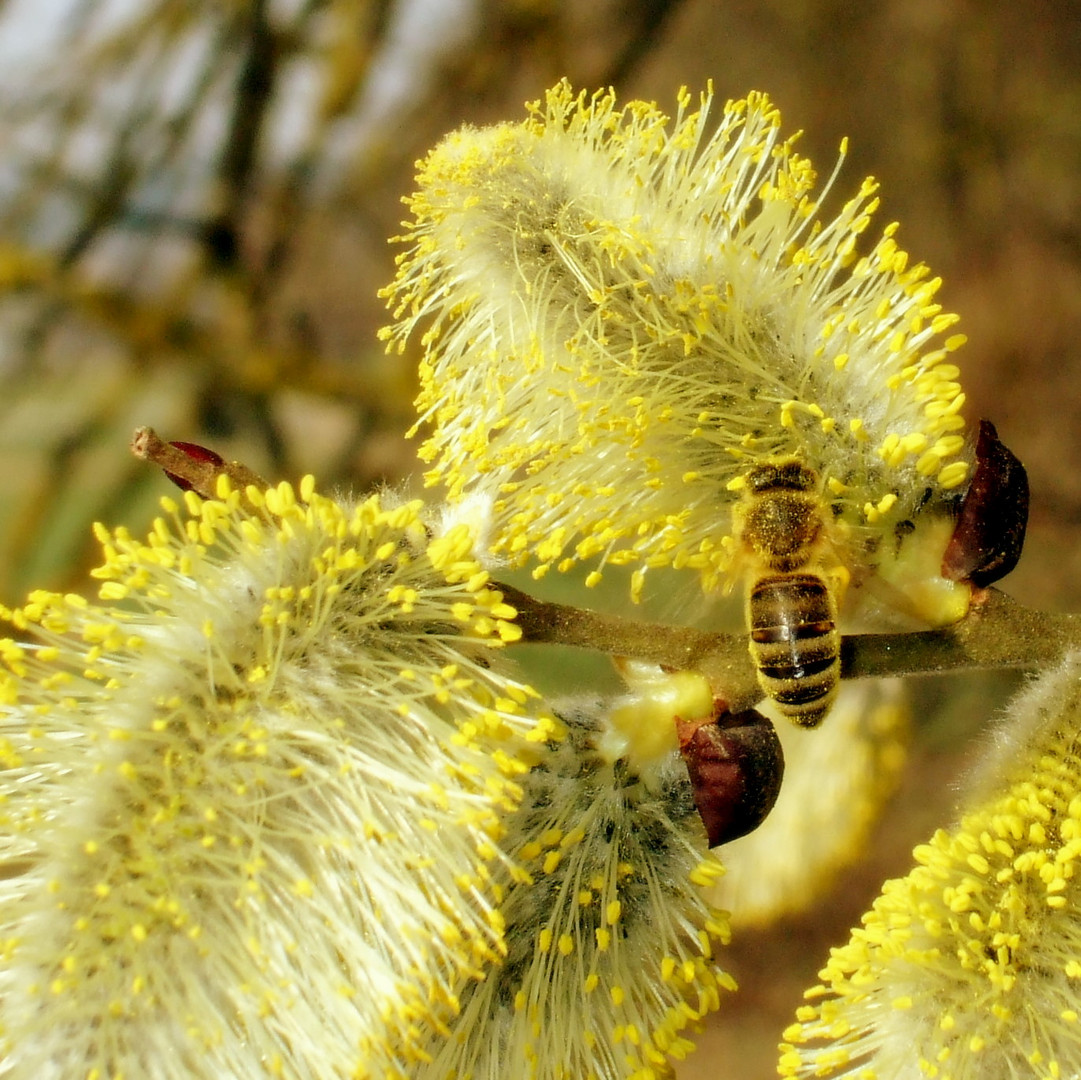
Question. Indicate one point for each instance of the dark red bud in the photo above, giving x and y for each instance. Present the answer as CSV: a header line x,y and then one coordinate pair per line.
x,y
735,764
990,530
196,453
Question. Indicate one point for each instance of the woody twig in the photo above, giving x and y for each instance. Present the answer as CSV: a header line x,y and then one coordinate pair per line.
x,y
192,467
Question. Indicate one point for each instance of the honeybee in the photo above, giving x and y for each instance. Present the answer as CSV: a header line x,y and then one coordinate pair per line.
x,y
791,605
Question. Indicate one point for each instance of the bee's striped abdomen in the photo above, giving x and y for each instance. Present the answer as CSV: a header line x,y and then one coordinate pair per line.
x,y
795,644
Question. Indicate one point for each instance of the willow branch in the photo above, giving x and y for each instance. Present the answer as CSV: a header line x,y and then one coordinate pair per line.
x,y
998,632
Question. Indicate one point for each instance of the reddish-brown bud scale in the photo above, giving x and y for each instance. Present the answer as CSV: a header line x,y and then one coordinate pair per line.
x,y
196,453
736,764
990,530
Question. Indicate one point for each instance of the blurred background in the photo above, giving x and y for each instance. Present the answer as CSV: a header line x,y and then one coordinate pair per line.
x,y
195,200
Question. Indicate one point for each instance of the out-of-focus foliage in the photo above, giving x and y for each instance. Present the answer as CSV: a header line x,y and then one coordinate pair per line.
x,y
194,206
